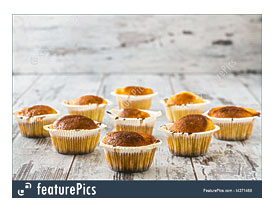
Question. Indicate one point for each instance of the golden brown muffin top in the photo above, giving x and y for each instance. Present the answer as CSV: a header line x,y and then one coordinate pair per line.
x,y
134,90
183,98
74,122
129,139
232,112
133,113
192,123
87,100
37,110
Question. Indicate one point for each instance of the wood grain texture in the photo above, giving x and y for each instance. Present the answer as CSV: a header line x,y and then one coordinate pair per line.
x,y
21,84
149,43
37,159
253,84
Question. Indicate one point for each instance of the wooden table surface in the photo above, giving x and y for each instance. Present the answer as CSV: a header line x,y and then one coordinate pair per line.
x,y
56,58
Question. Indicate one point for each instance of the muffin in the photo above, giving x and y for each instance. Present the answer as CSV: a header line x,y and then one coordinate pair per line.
x,y
32,119
189,135
134,120
134,97
182,104
236,123
90,106
74,134
129,151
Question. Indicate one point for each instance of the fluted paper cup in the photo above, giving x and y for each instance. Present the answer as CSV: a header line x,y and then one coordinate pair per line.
x,y
145,125
233,129
173,113
92,111
33,126
188,144
134,101
130,159
75,141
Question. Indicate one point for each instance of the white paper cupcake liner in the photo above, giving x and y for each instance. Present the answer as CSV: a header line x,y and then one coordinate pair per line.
x,y
134,101
130,159
173,113
233,129
134,124
33,126
75,141
92,111
188,144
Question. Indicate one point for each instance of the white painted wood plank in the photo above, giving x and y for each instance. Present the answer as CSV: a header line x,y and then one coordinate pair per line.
x,y
21,84
44,44
225,160
253,83
165,165
36,158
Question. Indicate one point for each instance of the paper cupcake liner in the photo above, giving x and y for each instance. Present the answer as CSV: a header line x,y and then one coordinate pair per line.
x,y
33,126
134,124
173,113
130,159
233,129
74,141
93,111
187,144
134,101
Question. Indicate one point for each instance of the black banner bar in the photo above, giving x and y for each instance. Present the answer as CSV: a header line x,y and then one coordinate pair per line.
x,y
137,189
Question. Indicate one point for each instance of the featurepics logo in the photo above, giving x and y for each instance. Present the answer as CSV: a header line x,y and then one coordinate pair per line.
x,y
79,189
21,192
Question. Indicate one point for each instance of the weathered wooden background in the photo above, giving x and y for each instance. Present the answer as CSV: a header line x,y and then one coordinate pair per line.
x,y
63,57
